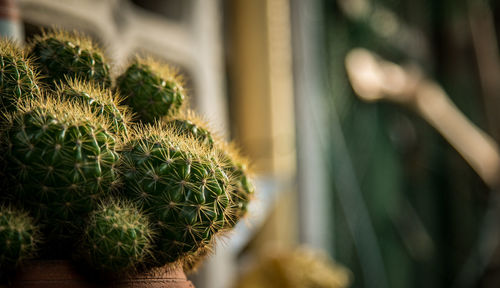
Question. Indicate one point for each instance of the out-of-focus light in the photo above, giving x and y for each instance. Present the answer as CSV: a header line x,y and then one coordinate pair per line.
x,y
355,9
373,78
384,22
364,74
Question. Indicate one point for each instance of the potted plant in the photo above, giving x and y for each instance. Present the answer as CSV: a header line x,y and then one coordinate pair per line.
x,y
138,188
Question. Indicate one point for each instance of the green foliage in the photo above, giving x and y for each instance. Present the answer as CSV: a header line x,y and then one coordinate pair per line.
x,y
63,160
186,191
151,89
60,55
17,77
117,237
102,101
18,238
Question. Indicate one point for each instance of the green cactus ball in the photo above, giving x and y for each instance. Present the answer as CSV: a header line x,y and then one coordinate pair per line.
x,y
18,79
101,100
181,184
191,125
117,237
19,238
153,90
60,54
63,160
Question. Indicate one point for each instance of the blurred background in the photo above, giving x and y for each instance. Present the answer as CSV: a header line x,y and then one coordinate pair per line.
x,y
377,158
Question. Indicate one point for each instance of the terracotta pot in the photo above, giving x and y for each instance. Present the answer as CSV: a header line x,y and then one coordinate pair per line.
x,y
61,274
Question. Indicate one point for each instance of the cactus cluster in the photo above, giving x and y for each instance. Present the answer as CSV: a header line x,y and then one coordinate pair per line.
x,y
120,193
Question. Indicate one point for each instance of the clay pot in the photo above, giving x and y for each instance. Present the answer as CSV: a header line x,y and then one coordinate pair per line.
x,y
61,274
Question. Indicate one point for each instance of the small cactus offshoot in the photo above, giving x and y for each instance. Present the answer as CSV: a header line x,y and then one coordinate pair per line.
x,y
117,237
63,159
60,55
153,90
18,238
102,101
18,79
183,187
188,124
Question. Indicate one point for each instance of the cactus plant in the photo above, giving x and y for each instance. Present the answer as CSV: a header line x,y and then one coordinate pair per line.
x,y
19,238
60,54
182,186
152,89
101,100
117,237
18,79
63,159
64,154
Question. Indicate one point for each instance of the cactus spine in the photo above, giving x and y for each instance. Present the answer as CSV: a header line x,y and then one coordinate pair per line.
x,y
18,238
181,185
153,90
60,54
63,159
18,79
117,237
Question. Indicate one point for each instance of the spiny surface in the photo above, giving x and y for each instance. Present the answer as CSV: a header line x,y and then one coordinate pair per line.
x,y
59,54
18,238
62,159
117,237
189,124
236,166
153,90
18,79
186,192
102,101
